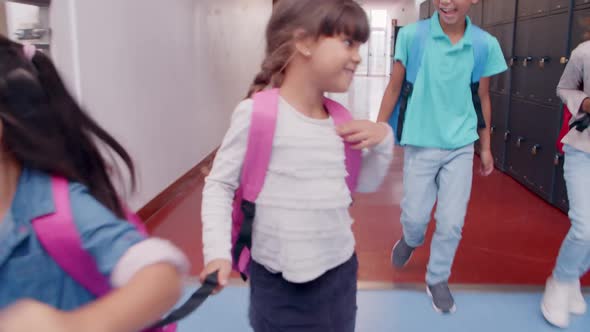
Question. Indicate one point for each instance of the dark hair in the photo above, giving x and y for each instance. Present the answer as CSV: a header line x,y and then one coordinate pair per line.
x,y
45,129
317,18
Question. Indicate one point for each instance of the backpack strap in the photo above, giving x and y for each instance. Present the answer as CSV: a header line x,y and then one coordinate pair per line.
x,y
414,62
258,151
353,157
60,238
480,52
417,51
260,137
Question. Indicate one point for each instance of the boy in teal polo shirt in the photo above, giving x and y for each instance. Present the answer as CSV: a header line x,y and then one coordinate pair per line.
x,y
439,130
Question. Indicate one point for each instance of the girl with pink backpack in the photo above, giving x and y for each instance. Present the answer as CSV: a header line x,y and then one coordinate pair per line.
x,y
276,202
71,256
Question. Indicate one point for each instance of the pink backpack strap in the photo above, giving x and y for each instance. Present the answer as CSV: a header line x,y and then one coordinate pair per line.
x,y
354,158
260,138
59,236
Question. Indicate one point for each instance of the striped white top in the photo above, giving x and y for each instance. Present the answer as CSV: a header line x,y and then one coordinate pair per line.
x,y
302,226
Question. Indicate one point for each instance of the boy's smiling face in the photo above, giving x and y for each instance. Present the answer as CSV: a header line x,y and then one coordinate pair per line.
x,y
453,12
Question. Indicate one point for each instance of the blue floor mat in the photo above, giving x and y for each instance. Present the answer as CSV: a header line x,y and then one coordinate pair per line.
x,y
400,311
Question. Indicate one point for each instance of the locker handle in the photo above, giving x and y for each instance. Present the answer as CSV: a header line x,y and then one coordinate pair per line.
x,y
519,141
543,61
564,60
536,148
492,129
556,159
526,61
512,61
506,135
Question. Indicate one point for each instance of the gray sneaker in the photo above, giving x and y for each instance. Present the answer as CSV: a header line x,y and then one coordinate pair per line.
x,y
442,299
401,253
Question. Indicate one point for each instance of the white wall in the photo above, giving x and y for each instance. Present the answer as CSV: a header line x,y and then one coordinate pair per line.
x,y
162,77
230,47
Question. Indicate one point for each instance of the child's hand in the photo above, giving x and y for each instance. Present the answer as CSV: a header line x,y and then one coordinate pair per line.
x,y
487,162
224,268
28,315
363,133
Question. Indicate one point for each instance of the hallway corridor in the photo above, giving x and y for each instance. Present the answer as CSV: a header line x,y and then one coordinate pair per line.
x,y
511,236
509,243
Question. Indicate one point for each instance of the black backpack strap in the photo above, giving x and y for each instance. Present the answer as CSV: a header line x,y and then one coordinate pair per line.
x,y
244,239
194,302
581,124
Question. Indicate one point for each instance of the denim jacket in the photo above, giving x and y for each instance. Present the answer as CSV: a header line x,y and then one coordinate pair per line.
x,y
26,270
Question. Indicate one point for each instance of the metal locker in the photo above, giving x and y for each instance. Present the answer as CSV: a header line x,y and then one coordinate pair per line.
x,y
518,164
431,8
546,68
490,13
520,62
476,14
531,150
533,7
505,35
559,5
504,11
425,9
498,128
580,27
581,2
545,127
507,11
560,192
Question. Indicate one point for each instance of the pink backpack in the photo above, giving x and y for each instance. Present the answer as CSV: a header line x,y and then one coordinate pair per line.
x,y
60,238
256,161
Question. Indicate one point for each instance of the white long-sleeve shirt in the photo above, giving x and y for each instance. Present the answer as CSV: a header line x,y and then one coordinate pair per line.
x,y
302,227
576,74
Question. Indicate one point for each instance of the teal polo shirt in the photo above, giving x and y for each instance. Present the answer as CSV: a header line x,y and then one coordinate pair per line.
x,y
440,113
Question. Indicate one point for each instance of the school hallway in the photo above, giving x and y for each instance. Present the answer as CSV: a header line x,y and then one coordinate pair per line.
x,y
510,241
169,90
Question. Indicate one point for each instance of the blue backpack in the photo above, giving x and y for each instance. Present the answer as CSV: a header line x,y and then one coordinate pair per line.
x,y
480,53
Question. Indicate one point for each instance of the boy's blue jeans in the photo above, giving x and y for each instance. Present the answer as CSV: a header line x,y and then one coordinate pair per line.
x,y
431,174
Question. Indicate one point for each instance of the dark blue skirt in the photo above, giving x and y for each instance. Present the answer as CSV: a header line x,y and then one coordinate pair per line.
x,y
326,304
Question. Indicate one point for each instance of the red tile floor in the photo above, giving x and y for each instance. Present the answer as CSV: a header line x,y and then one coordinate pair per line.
x,y
511,236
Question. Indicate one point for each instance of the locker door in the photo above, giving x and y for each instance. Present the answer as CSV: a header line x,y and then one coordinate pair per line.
x,y
490,9
581,2
531,149
525,8
518,163
506,10
546,69
500,108
522,51
559,5
533,7
544,126
580,27
476,14
431,8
